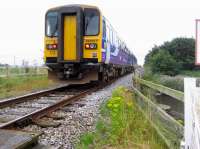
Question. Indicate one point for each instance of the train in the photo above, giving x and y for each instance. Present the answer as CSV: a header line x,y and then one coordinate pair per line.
x,y
82,46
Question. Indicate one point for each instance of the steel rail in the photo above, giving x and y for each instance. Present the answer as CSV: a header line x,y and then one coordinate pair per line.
x,y
31,117
44,111
31,96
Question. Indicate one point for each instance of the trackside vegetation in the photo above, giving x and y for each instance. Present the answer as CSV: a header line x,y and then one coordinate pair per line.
x,y
174,82
121,126
170,62
172,57
14,86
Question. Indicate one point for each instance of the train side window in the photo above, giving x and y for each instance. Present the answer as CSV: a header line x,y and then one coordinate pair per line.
x,y
104,29
111,39
123,46
118,41
108,33
119,44
115,38
113,33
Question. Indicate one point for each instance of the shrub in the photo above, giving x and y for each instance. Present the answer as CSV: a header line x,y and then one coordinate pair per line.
x,y
162,62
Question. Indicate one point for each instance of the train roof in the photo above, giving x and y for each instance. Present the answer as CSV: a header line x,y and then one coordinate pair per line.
x,y
83,6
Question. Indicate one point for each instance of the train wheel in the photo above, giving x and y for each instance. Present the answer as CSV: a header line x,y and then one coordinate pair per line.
x,y
105,77
116,73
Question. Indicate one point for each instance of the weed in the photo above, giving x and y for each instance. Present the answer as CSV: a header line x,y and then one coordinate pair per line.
x,y
121,126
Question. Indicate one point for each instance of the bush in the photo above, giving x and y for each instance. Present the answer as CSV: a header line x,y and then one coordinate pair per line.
x,y
162,62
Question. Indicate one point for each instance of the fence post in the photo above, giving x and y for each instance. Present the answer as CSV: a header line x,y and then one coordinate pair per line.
x,y
7,71
189,86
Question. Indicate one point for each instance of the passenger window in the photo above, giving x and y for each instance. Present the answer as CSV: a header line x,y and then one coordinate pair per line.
x,y
114,40
104,29
111,36
108,34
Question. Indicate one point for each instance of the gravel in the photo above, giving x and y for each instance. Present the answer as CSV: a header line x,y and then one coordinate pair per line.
x,y
79,117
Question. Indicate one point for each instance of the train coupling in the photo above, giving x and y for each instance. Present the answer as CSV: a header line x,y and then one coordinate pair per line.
x,y
70,70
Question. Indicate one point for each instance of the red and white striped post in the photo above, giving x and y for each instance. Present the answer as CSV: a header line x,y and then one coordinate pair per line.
x,y
197,55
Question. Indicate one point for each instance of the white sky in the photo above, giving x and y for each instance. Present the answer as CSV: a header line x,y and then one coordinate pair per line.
x,y
141,23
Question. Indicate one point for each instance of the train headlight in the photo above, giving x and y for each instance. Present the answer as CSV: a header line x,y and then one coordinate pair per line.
x,y
91,46
51,46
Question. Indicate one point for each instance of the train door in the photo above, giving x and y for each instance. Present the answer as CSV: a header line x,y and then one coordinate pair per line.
x,y
70,52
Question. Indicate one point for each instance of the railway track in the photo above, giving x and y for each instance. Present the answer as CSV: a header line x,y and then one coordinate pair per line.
x,y
20,111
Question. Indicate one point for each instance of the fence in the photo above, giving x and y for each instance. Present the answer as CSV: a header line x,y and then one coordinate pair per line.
x,y
192,114
11,71
167,127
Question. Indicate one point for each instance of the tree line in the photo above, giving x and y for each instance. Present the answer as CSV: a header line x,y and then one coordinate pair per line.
x,y
172,57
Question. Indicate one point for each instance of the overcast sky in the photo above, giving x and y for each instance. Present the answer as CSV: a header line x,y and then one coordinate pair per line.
x,y
141,23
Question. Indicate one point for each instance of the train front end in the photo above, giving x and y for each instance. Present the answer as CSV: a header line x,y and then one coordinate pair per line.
x,y
73,43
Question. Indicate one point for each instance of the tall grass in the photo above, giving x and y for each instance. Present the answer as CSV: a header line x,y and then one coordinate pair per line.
x,y
16,70
192,73
20,85
175,82
121,126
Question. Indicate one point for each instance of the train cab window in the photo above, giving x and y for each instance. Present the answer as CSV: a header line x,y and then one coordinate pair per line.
x,y
91,22
52,24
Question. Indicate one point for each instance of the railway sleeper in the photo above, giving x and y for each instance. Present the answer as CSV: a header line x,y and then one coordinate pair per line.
x,y
46,122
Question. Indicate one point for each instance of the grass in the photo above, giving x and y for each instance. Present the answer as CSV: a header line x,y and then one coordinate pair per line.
x,y
192,73
174,82
16,70
15,86
121,126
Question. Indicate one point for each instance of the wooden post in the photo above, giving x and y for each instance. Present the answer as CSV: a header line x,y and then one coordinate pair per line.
x,y
191,130
189,84
7,71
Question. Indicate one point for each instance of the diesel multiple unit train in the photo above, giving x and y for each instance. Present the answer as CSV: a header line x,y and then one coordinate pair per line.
x,y
81,45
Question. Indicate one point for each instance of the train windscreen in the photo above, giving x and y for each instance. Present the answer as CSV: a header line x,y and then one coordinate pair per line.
x,y
52,24
91,22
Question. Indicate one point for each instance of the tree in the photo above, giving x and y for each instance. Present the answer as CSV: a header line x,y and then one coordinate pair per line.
x,y
162,62
151,53
181,50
